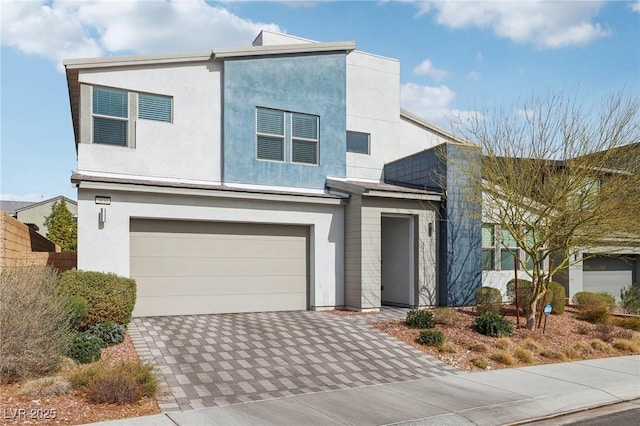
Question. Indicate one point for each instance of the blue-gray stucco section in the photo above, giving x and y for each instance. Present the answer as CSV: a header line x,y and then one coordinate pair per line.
x,y
311,84
460,227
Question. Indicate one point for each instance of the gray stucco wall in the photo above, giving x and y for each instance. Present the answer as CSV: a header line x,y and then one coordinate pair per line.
x,y
309,84
460,222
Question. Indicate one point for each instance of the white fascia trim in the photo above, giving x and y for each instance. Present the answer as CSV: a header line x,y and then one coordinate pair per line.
x,y
433,128
283,49
274,188
119,187
148,178
117,61
403,195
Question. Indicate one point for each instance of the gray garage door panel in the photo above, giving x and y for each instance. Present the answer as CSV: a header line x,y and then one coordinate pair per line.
x,y
608,274
206,267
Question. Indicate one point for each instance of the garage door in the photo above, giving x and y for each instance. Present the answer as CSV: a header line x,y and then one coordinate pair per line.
x,y
608,273
215,267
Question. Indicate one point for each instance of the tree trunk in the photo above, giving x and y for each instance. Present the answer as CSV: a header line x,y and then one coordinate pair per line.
x,y
531,315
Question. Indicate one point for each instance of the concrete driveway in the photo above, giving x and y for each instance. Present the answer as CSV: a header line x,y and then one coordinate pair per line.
x,y
216,360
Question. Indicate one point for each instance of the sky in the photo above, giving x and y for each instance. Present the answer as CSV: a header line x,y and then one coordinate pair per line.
x,y
456,57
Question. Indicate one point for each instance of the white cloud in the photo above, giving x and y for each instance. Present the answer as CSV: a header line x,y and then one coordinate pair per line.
x,y
635,6
545,24
60,30
433,103
23,197
473,76
479,57
427,68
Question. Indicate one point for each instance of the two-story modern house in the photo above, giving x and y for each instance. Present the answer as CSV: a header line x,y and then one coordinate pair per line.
x,y
253,179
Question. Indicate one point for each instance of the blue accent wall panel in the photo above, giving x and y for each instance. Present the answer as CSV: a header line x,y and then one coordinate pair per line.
x,y
311,84
460,226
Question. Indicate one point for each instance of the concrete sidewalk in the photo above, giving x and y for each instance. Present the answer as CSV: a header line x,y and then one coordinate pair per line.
x,y
497,397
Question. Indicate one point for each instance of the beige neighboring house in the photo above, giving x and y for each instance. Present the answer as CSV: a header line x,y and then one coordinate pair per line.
x,y
35,213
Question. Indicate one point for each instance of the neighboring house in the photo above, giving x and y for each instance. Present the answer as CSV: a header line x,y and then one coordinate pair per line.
x,y
252,179
34,213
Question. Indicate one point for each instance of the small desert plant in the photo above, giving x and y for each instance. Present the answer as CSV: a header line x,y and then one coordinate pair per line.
x,y
493,325
626,345
599,345
587,300
551,354
85,347
480,362
479,347
503,357
109,332
631,323
555,296
531,345
595,314
46,387
630,299
34,323
488,299
431,337
110,297
579,350
503,343
128,381
420,318
583,330
446,316
524,355
448,347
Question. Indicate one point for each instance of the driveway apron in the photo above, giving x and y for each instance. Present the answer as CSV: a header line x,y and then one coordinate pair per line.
x,y
215,360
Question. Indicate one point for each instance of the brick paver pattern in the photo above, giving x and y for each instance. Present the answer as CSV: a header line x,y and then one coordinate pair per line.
x,y
214,360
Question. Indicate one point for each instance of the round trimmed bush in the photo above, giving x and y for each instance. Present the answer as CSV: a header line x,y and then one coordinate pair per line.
x,y
488,299
525,294
493,325
109,332
420,318
431,338
85,347
588,300
78,308
555,296
110,297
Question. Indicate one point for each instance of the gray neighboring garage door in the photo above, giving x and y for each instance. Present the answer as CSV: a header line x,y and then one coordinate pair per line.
x,y
608,273
189,267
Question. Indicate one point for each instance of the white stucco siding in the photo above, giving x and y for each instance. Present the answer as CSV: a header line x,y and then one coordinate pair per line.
x,y
187,148
373,106
414,138
500,279
107,249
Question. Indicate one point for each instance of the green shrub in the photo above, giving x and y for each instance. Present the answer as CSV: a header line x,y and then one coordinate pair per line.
x,y
588,299
127,381
78,308
595,314
85,347
110,297
525,294
420,318
630,299
34,323
555,297
109,332
631,323
446,316
488,299
493,325
431,337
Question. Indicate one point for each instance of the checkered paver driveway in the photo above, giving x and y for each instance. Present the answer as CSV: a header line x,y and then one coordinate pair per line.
x,y
211,360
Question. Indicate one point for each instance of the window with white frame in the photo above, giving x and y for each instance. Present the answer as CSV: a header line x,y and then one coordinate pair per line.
x,y
287,136
358,142
509,251
110,116
304,138
488,247
154,107
270,134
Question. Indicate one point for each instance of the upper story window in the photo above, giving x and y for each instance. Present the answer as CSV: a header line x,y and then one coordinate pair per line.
x,y
154,107
358,142
110,116
276,130
304,141
270,134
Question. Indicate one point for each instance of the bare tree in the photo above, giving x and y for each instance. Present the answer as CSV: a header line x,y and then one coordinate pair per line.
x,y
560,177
